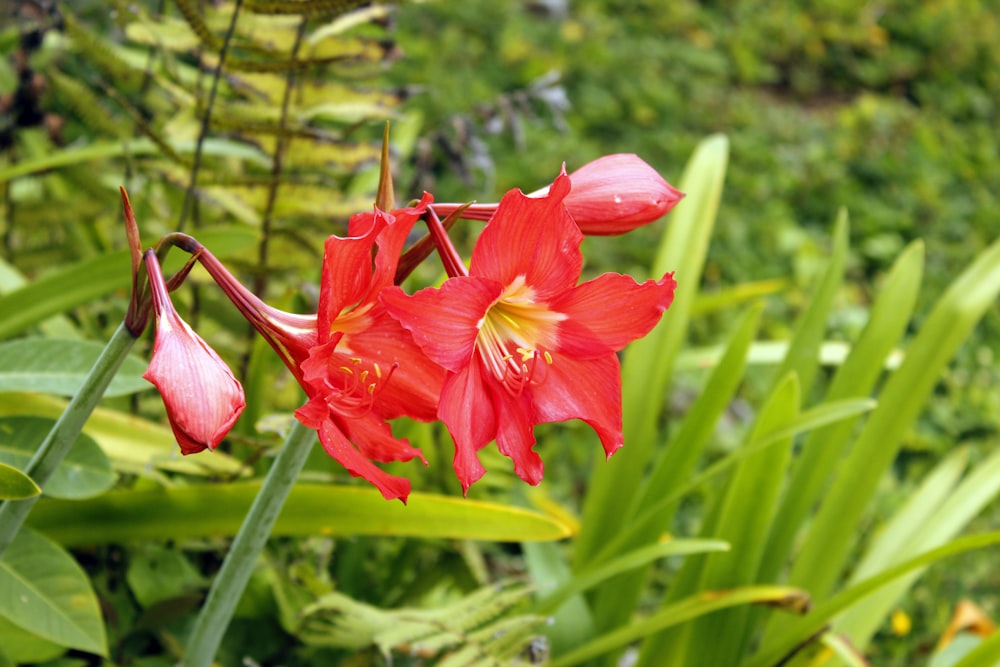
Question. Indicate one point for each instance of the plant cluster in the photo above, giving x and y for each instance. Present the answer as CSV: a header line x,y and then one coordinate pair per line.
x,y
762,507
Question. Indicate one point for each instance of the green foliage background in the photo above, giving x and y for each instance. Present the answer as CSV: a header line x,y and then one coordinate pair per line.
x,y
888,110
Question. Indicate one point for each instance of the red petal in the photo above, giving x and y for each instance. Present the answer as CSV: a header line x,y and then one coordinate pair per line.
x,y
590,390
444,321
391,241
339,447
347,274
375,440
533,237
613,309
516,437
468,411
413,382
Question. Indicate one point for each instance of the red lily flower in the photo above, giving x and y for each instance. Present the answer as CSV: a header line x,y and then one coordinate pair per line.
x,y
522,343
611,195
357,365
202,397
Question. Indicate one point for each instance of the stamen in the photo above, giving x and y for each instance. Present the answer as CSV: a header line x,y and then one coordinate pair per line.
x,y
513,336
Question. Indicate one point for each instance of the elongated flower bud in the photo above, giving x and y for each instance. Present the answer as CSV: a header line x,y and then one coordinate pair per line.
x,y
611,195
615,194
202,396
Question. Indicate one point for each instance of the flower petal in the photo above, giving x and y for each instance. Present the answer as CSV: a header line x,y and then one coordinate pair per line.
x,y
347,274
468,410
375,440
534,237
411,381
337,445
444,321
516,437
590,390
612,309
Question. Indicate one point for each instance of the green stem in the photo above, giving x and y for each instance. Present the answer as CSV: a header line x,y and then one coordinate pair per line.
x,y
66,430
246,548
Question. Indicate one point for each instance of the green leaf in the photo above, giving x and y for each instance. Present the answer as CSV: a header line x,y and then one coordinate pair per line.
x,y
91,278
156,573
933,515
204,510
134,445
44,591
20,646
648,362
86,470
744,519
680,612
832,532
986,654
15,485
792,633
634,559
59,366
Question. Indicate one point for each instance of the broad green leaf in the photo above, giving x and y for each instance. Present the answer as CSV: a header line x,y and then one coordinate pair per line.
x,y
15,485
20,646
44,591
56,327
86,470
832,533
91,278
213,510
156,573
795,631
58,367
134,445
648,362
680,612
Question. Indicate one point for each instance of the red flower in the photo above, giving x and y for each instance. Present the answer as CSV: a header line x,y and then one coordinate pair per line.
x,y
611,195
522,343
202,397
357,365
366,368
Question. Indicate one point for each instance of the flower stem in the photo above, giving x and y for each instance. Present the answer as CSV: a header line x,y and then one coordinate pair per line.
x,y
66,430
246,548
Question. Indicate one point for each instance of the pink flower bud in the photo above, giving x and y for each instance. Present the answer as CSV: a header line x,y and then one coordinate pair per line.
x,y
615,194
202,397
611,195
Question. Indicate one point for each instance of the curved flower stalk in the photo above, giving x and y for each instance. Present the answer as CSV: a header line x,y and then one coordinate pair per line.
x,y
358,366
202,396
521,341
611,195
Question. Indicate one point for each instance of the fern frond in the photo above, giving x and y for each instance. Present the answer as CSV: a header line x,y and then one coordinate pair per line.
x,y
98,53
304,8
189,10
85,105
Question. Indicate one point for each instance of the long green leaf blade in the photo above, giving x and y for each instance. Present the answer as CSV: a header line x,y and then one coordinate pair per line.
x,y
208,510
829,539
